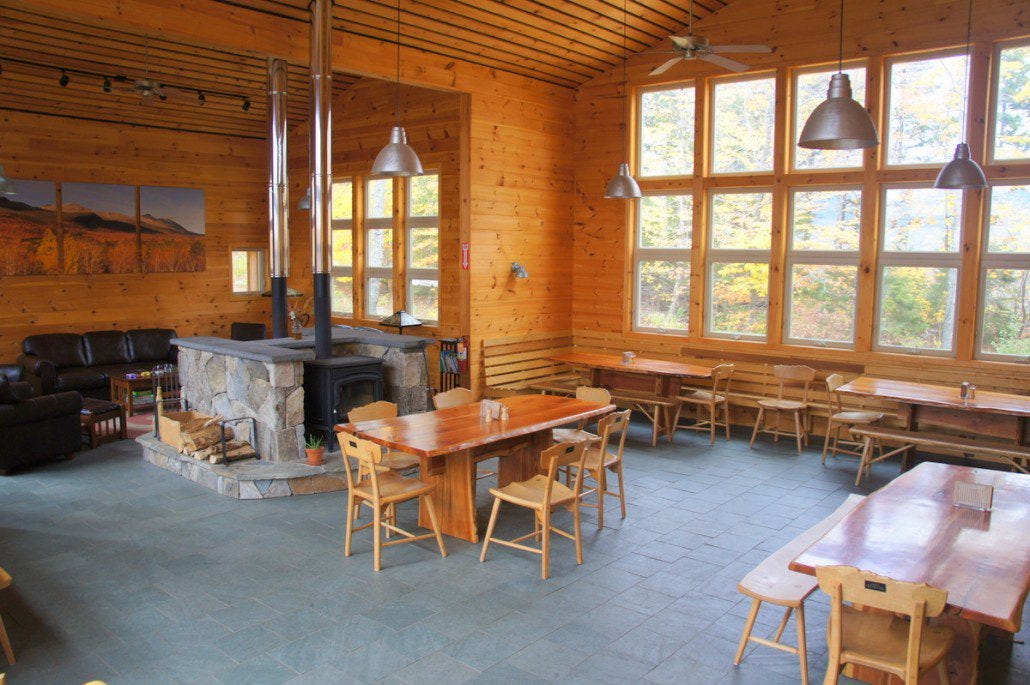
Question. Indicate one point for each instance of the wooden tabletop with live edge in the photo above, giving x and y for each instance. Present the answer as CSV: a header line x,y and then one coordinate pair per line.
x,y
460,428
909,530
649,367
937,396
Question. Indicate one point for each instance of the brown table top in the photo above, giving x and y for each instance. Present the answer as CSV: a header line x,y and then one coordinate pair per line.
x,y
937,395
460,428
910,530
647,367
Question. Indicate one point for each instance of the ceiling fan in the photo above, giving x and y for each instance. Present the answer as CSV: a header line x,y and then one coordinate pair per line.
x,y
691,47
147,88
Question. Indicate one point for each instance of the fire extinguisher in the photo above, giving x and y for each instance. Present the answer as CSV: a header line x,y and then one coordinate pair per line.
x,y
463,354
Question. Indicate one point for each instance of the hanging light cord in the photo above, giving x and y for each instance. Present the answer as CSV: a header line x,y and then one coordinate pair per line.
x,y
840,43
398,62
965,81
625,59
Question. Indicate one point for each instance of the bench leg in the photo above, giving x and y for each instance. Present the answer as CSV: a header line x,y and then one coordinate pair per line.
x,y
748,626
799,619
783,624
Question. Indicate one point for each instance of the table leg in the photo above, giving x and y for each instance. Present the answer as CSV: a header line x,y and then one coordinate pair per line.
x,y
455,496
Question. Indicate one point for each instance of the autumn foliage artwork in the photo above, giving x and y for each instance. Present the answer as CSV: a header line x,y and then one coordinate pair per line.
x,y
91,228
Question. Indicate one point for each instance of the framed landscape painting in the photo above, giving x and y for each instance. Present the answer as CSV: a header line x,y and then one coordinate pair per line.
x,y
29,230
172,227
99,222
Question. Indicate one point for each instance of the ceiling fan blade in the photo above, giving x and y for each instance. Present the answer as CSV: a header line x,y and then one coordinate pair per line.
x,y
665,67
681,42
740,48
725,62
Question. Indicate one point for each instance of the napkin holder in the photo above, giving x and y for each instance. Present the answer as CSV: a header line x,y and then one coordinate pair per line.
x,y
976,496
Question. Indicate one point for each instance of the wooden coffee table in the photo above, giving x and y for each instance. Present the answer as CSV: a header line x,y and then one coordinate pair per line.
x,y
121,392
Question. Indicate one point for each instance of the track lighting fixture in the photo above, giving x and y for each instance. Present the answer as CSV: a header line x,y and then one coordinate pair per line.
x,y
64,79
246,104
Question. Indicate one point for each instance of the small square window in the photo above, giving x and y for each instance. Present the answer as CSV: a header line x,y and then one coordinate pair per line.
x,y
249,273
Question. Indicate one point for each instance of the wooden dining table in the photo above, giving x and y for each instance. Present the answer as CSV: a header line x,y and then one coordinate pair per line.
x,y
994,414
449,441
910,530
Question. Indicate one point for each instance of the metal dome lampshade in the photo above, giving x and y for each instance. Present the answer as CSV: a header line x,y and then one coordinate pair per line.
x,y
961,173
397,158
622,185
7,186
839,122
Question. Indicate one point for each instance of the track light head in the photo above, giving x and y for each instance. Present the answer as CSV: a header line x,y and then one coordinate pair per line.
x,y
64,79
246,104
201,98
107,85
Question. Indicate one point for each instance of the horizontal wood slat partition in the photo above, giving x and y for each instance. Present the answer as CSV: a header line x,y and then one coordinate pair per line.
x,y
229,170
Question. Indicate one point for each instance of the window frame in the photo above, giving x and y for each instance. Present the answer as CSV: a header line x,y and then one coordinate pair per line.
x,y
715,256
992,104
343,225
256,256
1019,261
795,125
712,85
659,254
638,101
412,273
370,223
818,258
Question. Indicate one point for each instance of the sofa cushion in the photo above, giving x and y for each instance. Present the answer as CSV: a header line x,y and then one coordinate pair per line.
x,y
80,379
105,347
150,344
63,349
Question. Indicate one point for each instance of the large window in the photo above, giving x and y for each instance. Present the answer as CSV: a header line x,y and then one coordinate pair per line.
x,y
342,270
667,131
1011,121
919,265
423,253
924,114
822,265
662,256
1005,280
378,248
743,116
810,91
738,263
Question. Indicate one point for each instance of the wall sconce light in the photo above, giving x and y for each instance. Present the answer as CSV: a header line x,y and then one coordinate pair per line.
x,y
519,271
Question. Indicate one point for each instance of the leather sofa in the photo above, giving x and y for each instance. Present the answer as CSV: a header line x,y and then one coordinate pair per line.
x,y
36,429
57,362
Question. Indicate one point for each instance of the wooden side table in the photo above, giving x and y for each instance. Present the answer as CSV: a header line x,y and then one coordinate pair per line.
x,y
122,389
102,421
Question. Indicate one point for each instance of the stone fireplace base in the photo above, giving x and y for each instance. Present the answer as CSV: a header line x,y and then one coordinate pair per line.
x,y
251,478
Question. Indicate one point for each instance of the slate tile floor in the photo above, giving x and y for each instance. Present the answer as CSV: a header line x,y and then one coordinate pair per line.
x,y
129,574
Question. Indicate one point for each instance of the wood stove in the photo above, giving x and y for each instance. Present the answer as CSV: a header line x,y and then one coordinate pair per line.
x,y
334,386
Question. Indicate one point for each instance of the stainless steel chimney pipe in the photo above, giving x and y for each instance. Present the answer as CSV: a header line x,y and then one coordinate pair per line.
x,y
321,167
278,194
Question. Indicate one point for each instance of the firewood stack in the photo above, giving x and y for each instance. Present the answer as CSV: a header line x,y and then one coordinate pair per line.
x,y
202,439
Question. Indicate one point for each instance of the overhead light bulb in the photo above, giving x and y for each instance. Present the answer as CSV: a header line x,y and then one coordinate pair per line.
x,y
64,79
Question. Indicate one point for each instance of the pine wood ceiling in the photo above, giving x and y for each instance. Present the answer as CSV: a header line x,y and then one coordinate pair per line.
x,y
564,42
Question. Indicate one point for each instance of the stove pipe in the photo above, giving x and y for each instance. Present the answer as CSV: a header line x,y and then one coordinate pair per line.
x,y
321,167
278,195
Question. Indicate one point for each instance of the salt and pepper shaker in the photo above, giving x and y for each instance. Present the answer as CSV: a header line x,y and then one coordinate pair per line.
x,y
971,393
504,412
963,390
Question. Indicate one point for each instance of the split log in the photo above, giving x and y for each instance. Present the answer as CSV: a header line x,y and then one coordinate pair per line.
x,y
233,452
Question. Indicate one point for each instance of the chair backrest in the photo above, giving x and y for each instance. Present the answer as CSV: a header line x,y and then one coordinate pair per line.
x,y
721,376
834,381
453,398
614,426
918,601
794,376
373,411
561,455
240,330
367,454
588,394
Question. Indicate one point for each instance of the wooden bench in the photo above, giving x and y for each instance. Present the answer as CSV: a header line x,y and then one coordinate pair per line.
x,y
771,581
515,365
1016,457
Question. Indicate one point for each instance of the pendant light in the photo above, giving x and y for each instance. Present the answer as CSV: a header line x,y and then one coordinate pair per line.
x,y
7,186
397,158
962,172
839,122
623,186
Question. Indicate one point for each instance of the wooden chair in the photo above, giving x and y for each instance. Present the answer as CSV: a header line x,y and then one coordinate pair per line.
x,y
600,459
394,461
773,583
587,394
5,642
788,376
453,398
843,419
718,397
904,647
542,493
383,491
